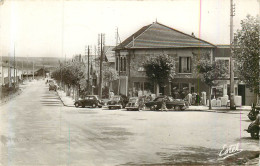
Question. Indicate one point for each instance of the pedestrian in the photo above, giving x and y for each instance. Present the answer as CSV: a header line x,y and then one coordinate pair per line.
x,y
164,104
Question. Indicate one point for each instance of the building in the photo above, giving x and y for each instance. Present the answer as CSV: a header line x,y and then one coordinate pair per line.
x,y
223,53
155,39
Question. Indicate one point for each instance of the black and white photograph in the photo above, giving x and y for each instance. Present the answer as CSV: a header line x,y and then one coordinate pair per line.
x,y
129,82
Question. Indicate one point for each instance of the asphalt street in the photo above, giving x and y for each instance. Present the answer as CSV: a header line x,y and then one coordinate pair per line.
x,y
36,129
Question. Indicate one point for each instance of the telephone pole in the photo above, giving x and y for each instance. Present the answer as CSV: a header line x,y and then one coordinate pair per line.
x,y
88,71
33,70
101,65
232,94
14,68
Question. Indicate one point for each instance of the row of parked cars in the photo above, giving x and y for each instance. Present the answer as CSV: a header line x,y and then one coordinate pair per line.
x,y
134,103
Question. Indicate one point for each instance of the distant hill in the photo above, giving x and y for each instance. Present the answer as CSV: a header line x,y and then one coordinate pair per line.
x,y
26,63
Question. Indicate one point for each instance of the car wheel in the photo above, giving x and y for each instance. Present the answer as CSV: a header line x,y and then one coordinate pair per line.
x,y
128,109
99,106
177,108
152,108
94,105
109,108
83,106
76,105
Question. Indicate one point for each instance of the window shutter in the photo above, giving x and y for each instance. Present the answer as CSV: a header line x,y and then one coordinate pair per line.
x,y
191,64
180,65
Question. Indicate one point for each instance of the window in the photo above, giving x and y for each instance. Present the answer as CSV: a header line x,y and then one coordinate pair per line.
x,y
184,64
159,99
91,97
121,64
124,63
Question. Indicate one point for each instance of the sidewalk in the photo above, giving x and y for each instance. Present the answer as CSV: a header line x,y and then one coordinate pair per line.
x,y
66,100
214,109
69,102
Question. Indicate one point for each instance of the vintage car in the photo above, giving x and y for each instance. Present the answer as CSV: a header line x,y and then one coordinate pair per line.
x,y
52,86
90,101
135,103
176,104
117,102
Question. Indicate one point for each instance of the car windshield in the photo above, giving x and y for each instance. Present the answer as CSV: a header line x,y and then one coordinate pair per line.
x,y
97,97
133,99
115,98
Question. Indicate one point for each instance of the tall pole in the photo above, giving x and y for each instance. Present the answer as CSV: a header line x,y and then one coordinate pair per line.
x,y
33,70
101,63
232,95
88,70
22,72
14,67
9,72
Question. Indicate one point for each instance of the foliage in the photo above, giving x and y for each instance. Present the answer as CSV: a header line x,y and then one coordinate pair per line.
x,y
246,52
70,73
160,69
211,71
109,74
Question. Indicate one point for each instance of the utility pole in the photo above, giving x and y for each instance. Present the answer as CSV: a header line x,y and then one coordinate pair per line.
x,y
22,72
27,69
88,71
232,94
14,68
33,70
101,65
118,63
9,72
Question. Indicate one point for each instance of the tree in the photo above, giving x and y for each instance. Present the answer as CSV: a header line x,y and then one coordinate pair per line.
x,y
159,69
246,52
210,73
109,75
70,74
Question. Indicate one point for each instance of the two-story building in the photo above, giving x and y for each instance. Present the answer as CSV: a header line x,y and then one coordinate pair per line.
x,y
158,39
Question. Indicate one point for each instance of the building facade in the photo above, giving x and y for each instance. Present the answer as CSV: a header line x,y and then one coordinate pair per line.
x,y
157,39
223,53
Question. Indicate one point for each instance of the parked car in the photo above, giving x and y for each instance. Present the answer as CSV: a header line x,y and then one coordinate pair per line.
x,y
135,103
117,102
52,86
177,104
90,100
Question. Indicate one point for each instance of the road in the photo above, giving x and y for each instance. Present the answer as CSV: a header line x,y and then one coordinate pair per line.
x,y
36,129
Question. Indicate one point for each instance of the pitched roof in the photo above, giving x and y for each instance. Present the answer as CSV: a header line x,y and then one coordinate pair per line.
x,y
157,35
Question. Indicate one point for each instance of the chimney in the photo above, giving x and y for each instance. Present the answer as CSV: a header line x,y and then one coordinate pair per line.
x,y
192,34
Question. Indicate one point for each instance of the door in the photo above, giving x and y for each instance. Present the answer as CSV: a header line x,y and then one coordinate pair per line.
x,y
161,90
242,92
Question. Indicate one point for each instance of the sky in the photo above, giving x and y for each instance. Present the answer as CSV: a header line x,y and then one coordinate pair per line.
x,y
62,28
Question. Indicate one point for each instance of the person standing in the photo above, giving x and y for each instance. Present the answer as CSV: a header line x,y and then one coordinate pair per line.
x,y
164,104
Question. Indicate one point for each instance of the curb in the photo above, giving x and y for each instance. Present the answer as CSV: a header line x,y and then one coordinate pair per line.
x,y
63,101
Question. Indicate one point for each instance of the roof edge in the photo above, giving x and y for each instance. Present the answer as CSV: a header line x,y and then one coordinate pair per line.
x,y
186,34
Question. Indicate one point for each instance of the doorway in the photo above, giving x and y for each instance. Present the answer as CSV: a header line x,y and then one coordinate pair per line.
x,y
242,92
